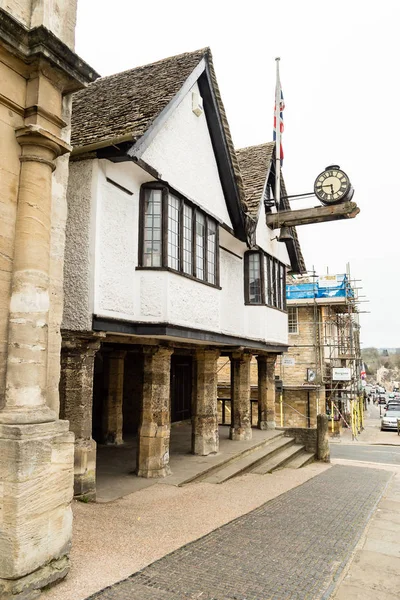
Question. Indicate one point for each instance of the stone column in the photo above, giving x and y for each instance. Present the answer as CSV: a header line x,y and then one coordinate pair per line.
x,y
205,436
240,396
270,399
36,449
262,392
26,379
112,411
155,425
76,402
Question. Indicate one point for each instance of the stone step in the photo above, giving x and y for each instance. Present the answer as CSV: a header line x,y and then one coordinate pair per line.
x,y
280,460
303,459
222,462
246,463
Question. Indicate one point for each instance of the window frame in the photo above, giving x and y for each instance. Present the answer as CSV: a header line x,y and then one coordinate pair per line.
x,y
296,310
166,191
273,288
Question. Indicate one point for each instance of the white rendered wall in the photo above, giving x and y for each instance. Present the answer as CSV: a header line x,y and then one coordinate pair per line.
x,y
264,239
183,154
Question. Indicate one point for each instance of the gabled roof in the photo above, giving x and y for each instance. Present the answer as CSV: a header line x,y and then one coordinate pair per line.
x,y
129,106
128,102
256,164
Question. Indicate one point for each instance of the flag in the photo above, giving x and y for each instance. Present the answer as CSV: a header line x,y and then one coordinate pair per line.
x,y
281,109
363,373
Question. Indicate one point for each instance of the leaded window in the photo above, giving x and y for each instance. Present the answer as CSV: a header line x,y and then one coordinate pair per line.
x,y
175,234
265,280
152,229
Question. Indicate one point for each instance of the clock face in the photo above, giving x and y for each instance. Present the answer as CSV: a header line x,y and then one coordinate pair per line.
x,y
332,185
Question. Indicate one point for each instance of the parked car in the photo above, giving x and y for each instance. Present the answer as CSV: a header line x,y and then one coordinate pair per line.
x,y
382,400
393,406
389,420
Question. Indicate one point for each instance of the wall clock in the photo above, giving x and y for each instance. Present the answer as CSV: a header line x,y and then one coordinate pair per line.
x,y
333,186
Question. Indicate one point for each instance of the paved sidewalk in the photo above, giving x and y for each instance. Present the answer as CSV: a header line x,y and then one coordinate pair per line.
x,y
295,546
374,574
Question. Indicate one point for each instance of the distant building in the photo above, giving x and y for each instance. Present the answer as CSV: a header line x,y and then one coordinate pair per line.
x,y
321,370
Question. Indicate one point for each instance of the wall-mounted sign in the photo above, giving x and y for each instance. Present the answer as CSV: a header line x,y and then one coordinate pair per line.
x,y
341,374
288,361
328,281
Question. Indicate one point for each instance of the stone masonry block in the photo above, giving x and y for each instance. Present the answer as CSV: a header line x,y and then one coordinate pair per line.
x,y
35,498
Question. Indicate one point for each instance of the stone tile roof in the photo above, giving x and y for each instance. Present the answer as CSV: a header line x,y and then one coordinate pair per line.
x,y
254,164
128,103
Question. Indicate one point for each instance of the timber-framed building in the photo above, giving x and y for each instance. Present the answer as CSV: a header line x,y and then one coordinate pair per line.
x,y
169,265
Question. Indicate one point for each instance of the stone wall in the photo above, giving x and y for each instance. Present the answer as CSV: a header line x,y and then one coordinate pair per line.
x,y
301,349
306,437
58,16
13,87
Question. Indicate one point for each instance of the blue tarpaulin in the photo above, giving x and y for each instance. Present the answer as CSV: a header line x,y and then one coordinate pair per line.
x,y
326,287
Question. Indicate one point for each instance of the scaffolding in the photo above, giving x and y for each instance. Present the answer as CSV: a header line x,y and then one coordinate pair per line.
x,y
334,300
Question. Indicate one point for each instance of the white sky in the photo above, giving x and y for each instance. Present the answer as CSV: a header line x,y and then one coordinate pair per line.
x,y
340,78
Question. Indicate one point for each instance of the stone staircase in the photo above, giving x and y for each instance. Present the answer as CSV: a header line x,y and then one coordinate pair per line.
x,y
263,458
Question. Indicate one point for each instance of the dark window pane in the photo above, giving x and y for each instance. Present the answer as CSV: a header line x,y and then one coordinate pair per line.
x,y
152,232
200,234
254,279
211,251
173,232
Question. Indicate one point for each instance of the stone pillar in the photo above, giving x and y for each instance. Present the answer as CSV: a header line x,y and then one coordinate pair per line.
x,y
155,424
205,435
240,396
76,402
36,449
262,392
270,392
112,411
323,452
26,379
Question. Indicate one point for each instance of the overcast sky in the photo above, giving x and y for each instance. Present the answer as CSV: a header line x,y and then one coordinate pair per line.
x,y
340,79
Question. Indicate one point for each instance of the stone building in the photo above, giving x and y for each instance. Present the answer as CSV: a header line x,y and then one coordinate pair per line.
x,y
321,369
168,266
38,72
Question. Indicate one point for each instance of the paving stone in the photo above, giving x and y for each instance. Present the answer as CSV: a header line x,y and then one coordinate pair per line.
x,y
291,548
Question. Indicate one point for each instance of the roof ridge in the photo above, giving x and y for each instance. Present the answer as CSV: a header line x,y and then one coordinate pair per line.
x,y
255,146
202,51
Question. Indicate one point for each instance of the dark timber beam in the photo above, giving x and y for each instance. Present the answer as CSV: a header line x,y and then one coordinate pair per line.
x,y
307,216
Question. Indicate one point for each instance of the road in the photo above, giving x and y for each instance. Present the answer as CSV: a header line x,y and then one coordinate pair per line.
x,y
389,455
372,445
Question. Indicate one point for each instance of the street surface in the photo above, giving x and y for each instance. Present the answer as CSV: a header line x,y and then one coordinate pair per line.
x,y
294,546
389,455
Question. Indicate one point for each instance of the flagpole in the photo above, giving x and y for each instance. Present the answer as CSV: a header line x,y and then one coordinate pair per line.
x,y
277,137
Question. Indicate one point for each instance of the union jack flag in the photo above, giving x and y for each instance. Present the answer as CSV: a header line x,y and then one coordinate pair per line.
x,y
281,109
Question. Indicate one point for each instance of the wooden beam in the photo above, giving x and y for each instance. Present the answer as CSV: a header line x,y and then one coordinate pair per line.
x,y
307,216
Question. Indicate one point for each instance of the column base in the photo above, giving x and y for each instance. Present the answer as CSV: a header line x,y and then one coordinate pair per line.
x,y
29,586
85,470
153,452
154,473
205,436
27,416
36,483
240,434
263,425
271,425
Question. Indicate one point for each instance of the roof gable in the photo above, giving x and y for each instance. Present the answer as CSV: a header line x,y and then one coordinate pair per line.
x,y
257,168
132,107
